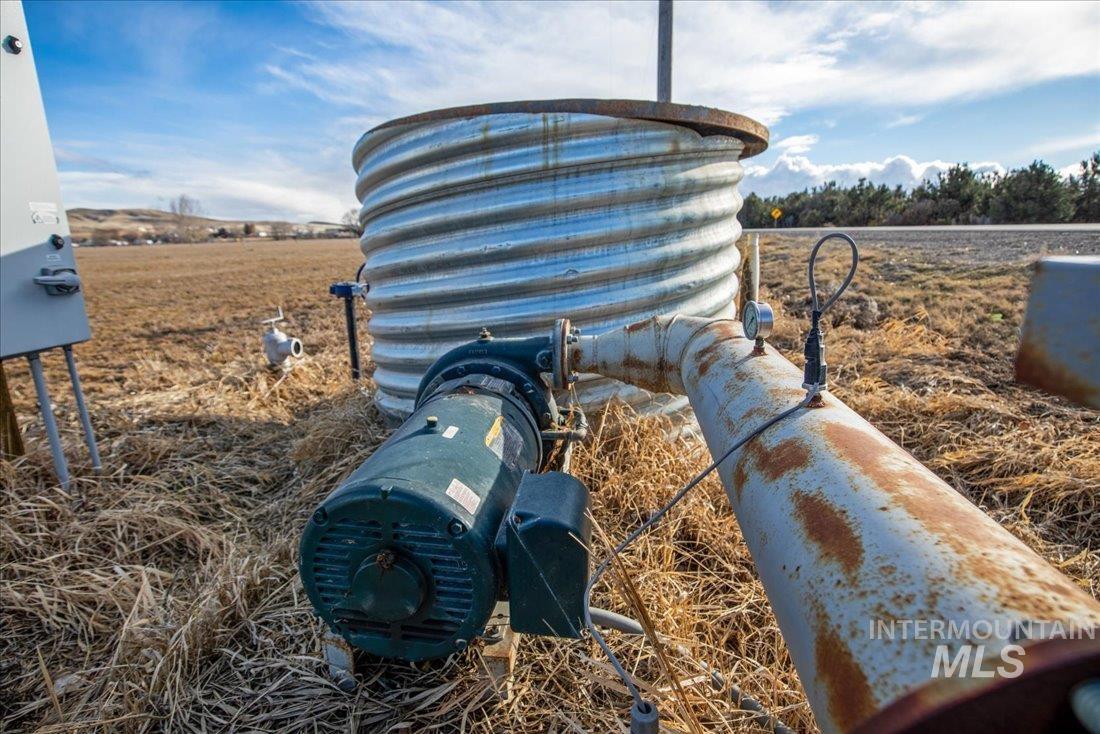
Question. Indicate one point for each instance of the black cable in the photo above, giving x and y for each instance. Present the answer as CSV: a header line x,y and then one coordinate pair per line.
x,y
847,280
816,371
626,678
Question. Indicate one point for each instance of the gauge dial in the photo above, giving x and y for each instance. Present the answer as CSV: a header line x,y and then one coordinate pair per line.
x,y
757,320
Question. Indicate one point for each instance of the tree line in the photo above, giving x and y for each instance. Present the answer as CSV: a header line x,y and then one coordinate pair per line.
x,y
1034,194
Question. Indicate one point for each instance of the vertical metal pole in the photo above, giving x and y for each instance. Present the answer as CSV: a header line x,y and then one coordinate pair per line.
x,y
353,335
59,464
749,287
664,51
754,268
82,409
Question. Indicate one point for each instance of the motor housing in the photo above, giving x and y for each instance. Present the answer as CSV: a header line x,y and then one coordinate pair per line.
x,y
400,559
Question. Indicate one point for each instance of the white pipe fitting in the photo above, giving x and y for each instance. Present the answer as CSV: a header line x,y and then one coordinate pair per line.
x,y
278,347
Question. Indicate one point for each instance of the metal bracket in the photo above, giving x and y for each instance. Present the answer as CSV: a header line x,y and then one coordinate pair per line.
x,y
499,653
513,360
341,661
348,291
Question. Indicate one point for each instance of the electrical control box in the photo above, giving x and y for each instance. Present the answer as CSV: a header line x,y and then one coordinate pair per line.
x,y
549,531
41,296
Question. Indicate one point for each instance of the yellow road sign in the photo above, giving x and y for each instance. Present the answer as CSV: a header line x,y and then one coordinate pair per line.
x,y
777,213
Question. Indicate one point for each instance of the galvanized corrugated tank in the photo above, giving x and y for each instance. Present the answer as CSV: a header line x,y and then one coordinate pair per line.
x,y
511,216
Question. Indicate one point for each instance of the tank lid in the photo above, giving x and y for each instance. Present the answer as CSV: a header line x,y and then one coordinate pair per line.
x,y
704,120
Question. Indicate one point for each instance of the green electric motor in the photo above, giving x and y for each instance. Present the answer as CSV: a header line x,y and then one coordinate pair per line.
x,y
406,558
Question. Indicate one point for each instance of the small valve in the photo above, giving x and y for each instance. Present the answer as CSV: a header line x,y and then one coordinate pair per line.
x,y
277,345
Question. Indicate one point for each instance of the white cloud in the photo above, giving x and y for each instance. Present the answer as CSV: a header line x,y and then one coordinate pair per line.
x,y
764,60
410,57
795,173
256,187
1089,140
904,121
796,143
71,156
1074,169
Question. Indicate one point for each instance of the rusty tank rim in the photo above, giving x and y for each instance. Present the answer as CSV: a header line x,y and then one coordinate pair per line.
x,y
703,120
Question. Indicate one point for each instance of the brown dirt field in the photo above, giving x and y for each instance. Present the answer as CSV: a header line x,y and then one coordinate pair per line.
x,y
163,595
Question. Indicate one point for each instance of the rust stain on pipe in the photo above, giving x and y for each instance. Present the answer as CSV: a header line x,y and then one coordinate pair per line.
x,y
851,700
752,453
866,453
639,325
740,476
1035,590
786,456
708,356
831,529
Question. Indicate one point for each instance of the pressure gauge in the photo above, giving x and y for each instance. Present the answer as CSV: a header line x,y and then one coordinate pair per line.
x,y
757,319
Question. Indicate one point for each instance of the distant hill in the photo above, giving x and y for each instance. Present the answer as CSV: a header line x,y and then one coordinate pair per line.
x,y
137,226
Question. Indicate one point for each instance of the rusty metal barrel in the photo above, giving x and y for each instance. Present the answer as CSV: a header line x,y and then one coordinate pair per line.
x,y
508,216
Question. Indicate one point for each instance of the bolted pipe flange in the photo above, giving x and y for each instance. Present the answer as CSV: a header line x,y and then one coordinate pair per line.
x,y
561,340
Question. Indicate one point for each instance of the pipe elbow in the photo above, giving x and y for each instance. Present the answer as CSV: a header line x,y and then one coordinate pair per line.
x,y
649,354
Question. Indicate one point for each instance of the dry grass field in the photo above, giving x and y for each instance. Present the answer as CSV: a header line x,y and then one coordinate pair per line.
x,y
163,594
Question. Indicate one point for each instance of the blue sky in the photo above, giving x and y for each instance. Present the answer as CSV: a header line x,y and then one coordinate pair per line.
x,y
253,107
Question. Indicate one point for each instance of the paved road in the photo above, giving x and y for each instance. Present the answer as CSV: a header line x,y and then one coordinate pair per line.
x,y
965,244
1070,227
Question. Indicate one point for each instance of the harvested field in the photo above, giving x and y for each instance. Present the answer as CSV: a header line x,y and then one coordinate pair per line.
x,y
164,593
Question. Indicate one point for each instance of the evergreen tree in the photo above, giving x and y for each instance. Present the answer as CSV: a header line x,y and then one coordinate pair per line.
x,y
1033,194
1086,191
754,212
958,196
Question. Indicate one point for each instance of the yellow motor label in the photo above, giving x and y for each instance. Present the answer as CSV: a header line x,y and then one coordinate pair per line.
x,y
494,430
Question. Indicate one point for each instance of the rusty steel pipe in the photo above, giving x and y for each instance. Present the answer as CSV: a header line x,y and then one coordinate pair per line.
x,y
847,529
